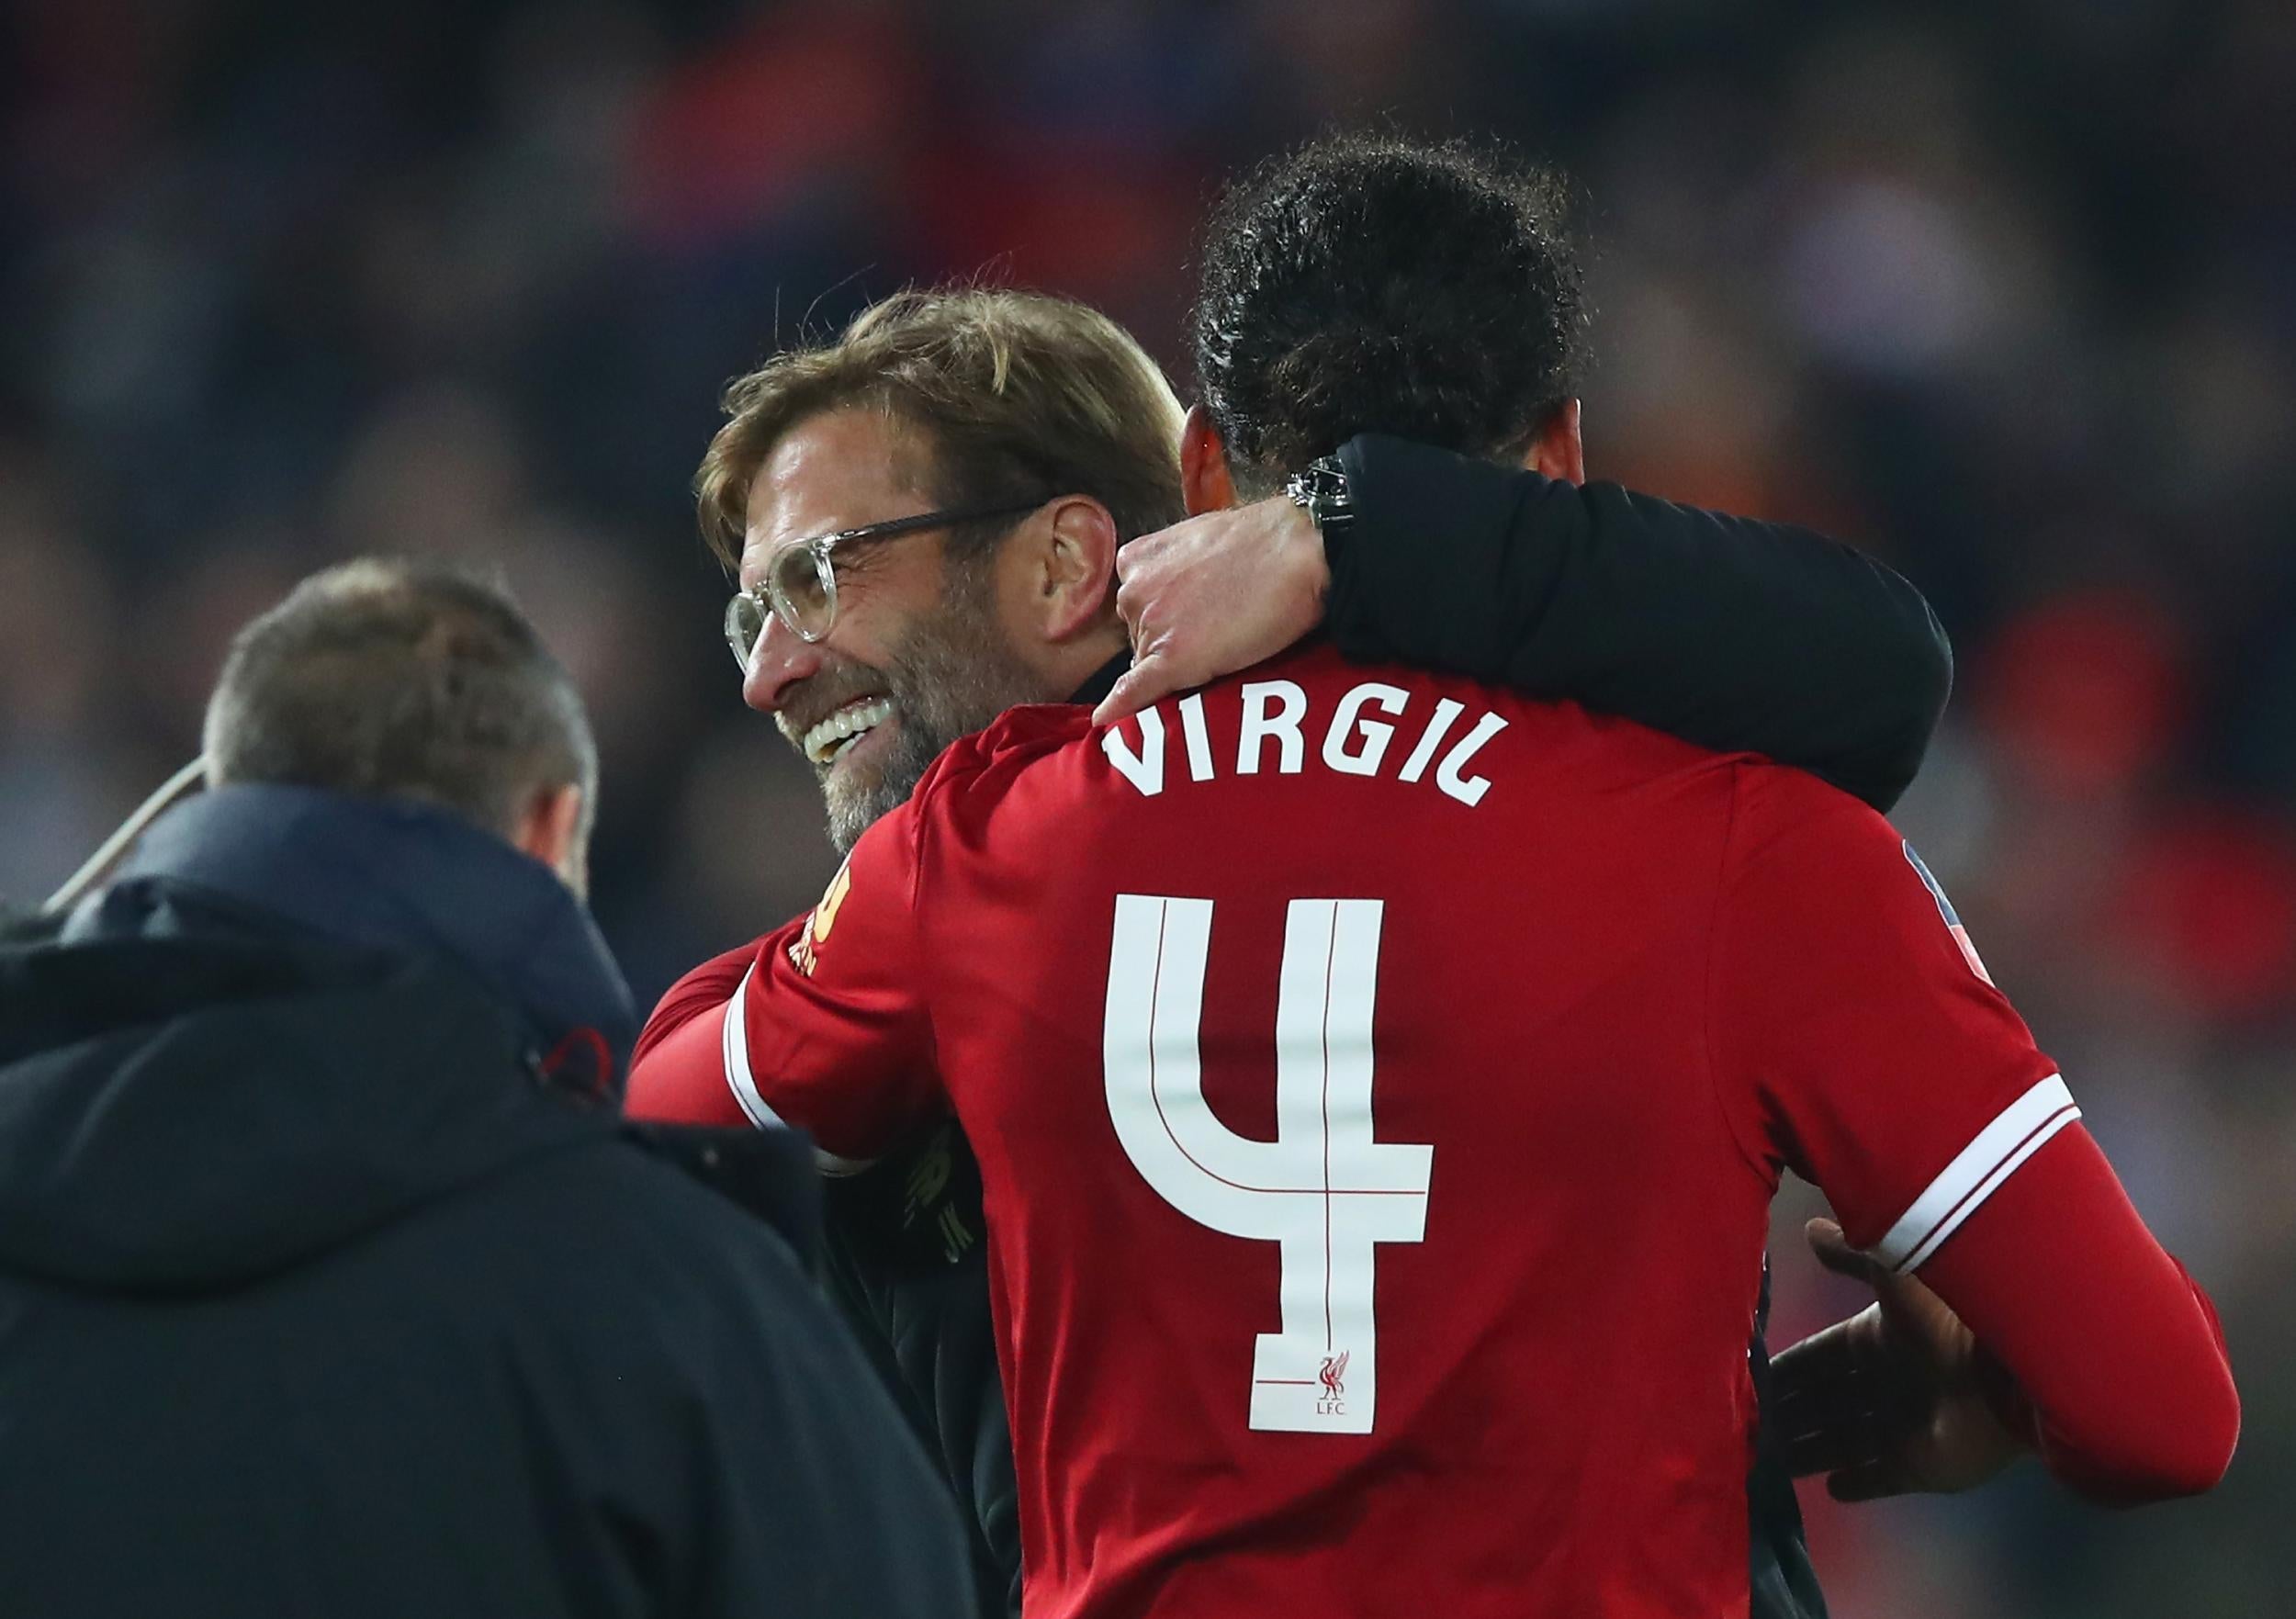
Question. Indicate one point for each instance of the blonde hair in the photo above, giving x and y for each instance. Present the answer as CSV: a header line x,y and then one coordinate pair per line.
x,y
1015,395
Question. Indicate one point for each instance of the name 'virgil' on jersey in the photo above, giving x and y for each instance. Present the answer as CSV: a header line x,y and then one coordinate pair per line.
x,y
1364,1142
1354,743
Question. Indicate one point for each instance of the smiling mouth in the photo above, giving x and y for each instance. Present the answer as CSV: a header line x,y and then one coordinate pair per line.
x,y
828,740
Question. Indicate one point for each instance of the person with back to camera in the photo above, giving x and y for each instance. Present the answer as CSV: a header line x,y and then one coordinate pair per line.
x,y
1379,1079
881,495
331,1282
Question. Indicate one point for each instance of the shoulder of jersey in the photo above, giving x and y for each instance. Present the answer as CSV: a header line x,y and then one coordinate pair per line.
x,y
1013,740
1772,797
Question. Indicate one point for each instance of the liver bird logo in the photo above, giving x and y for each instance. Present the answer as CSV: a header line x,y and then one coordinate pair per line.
x,y
1333,1376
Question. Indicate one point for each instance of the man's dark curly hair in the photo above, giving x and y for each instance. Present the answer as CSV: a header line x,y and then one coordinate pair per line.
x,y
1366,283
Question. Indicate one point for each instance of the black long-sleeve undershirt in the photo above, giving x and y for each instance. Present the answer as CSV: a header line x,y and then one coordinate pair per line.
x,y
1734,633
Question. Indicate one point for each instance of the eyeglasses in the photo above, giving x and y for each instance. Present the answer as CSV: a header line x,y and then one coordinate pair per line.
x,y
800,583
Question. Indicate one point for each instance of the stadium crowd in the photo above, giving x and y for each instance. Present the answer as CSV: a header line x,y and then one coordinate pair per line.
x,y
1998,294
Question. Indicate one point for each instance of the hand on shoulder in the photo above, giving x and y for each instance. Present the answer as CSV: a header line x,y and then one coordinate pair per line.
x,y
1215,594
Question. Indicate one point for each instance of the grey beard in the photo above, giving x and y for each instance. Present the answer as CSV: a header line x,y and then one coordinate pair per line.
x,y
953,674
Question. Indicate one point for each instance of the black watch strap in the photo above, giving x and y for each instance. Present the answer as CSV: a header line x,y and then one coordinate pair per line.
x,y
1322,491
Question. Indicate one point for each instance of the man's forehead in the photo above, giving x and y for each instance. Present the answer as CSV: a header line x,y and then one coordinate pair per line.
x,y
836,470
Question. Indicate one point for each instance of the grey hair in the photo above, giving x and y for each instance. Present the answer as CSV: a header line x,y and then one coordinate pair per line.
x,y
388,678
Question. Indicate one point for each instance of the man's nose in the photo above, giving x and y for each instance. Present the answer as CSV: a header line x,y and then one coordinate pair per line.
x,y
777,663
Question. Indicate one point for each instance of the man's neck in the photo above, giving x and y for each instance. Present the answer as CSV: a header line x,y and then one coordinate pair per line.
x,y
1069,670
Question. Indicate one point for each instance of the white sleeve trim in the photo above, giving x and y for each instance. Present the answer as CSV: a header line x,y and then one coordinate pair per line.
x,y
1975,1175
734,1036
734,1039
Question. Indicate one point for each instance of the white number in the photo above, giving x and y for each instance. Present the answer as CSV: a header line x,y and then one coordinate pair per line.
x,y
1323,1188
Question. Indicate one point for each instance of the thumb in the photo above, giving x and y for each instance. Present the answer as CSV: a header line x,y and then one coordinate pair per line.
x,y
1828,1241
1134,690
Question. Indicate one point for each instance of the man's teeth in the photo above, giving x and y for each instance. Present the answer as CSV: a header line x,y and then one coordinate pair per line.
x,y
845,727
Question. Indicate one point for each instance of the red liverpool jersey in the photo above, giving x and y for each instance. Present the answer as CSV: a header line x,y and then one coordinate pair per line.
x,y
1379,1084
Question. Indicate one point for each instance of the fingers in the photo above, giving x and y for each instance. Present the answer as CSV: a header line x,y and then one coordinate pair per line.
x,y
1150,675
1827,1451
1814,1431
1823,1402
1828,1242
1822,1358
1214,595
1872,1480
1134,690
1133,583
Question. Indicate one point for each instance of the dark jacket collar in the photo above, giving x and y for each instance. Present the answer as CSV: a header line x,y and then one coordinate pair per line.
x,y
402,878
1103,680
292,1017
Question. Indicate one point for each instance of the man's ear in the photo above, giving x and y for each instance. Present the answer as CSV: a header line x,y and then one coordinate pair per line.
x,y
1067,570
1206,484
1557,450
551,831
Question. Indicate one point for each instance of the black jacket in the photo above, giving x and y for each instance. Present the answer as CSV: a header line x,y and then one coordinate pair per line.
x,y
317,1298
1737,635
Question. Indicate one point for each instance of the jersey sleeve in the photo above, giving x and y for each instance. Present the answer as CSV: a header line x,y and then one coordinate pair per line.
x,y
1855,1035
1859,1038
823,1027
2097,1349
678,1073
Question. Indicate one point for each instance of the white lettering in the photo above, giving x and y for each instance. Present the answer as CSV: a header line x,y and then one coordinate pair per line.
x,y
1359,739
1349,720
1198,737
1327,1190
1290,702
1472,789
1144,770
1416,765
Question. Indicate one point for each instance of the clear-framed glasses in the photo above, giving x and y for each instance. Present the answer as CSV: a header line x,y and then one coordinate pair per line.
x,y
800,583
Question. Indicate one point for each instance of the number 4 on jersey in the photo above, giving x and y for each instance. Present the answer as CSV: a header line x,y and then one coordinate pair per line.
x,y
1323,1188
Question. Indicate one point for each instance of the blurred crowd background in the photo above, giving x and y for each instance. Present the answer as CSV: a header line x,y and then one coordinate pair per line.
x,y
2000,289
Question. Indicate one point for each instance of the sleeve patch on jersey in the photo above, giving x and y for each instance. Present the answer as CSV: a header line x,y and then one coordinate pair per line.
x,y
2014,1136
1945,909
805,950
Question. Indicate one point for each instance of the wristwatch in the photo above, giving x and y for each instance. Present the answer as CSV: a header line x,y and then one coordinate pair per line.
x,y
1323,492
